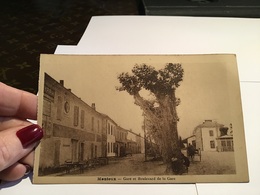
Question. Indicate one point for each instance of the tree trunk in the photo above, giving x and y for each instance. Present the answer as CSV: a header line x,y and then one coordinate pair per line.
x,y
165,119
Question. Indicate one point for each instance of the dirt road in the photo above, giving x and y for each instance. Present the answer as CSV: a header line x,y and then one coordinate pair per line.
x,y
131,165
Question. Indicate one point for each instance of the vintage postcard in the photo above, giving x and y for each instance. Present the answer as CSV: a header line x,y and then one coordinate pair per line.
x,y
140,119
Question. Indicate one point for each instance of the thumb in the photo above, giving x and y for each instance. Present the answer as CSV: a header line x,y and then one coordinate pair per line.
x,y
15,144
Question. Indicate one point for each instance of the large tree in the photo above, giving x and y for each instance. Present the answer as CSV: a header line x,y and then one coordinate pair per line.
x,y
160,111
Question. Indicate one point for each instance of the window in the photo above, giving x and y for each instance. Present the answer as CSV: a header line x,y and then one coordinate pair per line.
x,y
74,144
228,143
92,150
82,119
212,144
108,147
67,107
59,108
76,115
108,128
81,151
92,123
95,154
46,107
211,133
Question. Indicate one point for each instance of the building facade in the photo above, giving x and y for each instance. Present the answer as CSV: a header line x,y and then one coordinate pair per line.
x,y
211,136
74,131
135,142
111,128
121,141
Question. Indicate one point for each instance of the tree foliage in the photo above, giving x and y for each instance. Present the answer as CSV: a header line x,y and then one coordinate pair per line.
x,y
159,82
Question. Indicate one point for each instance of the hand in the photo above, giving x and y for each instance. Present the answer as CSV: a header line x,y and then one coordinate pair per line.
x,y
18,137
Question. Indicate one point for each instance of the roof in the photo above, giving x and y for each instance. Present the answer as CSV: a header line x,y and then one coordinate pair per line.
x,y
188,138
208,124
225,137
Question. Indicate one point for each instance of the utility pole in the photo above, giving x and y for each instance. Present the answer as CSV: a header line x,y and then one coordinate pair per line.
x,y
145,141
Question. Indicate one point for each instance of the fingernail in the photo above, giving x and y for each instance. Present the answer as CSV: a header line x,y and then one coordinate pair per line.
x,y
28,169
30,135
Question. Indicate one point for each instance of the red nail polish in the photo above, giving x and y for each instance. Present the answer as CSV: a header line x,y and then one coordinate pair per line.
x,y
30,135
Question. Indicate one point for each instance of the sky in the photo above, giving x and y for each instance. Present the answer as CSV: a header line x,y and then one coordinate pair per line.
x,y
207,91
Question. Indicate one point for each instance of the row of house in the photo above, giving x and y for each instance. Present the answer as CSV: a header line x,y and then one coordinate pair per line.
x,y
76,131
211,136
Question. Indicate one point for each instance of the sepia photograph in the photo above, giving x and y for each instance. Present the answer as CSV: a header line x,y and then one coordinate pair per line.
x,y
140,119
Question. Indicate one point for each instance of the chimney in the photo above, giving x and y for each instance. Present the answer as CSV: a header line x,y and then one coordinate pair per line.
x,y
207,121
62,82
93,105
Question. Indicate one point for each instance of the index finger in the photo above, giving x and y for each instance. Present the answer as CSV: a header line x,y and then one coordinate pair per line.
x,y
17,103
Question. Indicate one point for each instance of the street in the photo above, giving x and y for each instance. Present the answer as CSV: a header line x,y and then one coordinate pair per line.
x,y
211,163
130,165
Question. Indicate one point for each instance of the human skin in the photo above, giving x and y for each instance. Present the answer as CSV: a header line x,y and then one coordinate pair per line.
x,y
18,137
